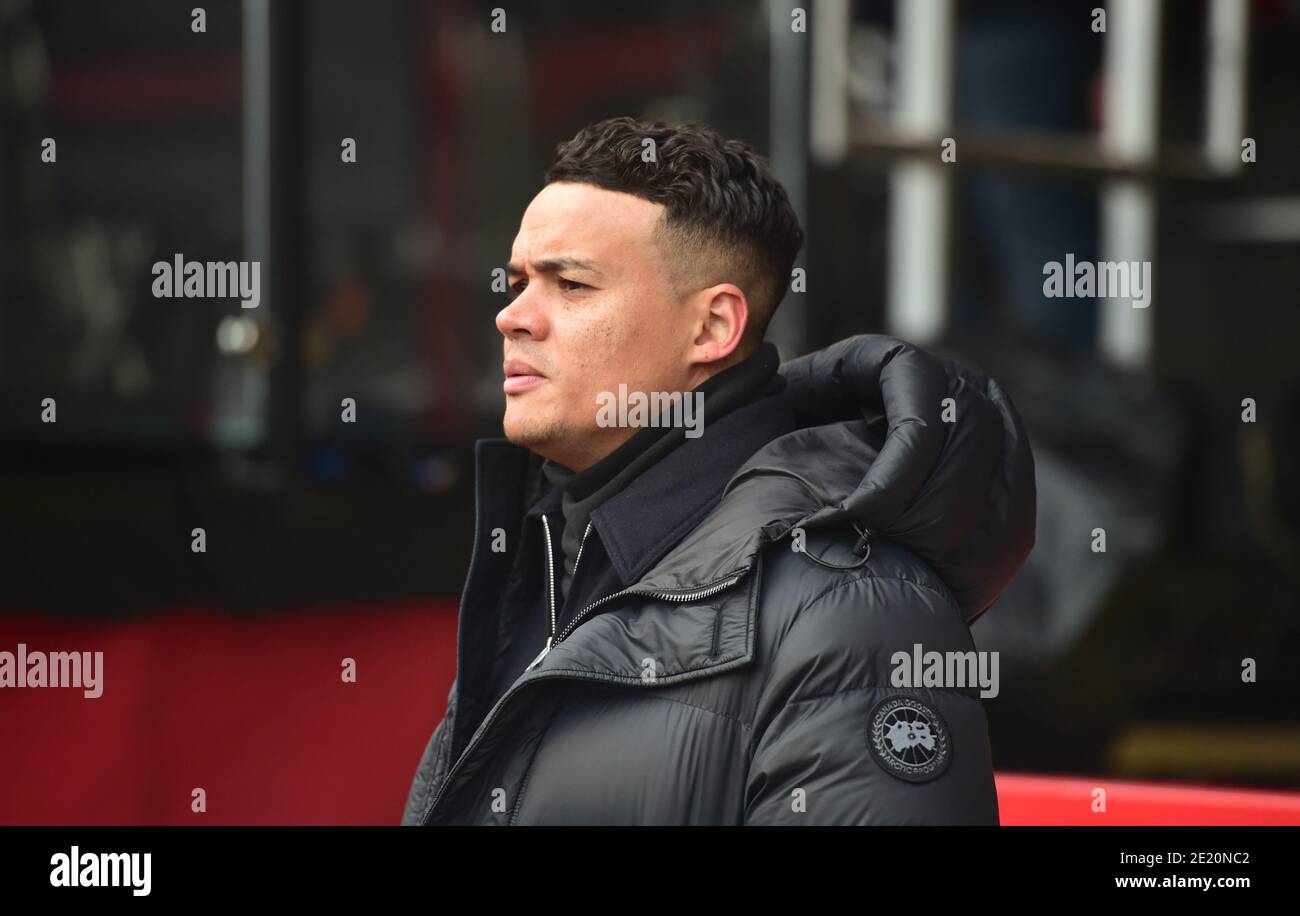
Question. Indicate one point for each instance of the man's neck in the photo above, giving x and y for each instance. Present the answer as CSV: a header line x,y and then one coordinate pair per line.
x,y
738,383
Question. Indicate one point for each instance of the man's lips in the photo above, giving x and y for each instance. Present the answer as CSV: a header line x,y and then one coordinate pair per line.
x,y
520,376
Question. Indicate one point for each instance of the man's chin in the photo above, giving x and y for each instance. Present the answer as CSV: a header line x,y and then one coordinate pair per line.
x,y
531,433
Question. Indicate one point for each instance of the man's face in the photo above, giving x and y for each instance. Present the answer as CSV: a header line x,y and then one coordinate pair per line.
x,y
593,309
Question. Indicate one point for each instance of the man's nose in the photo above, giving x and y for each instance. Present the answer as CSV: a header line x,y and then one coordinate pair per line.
x,y
522,315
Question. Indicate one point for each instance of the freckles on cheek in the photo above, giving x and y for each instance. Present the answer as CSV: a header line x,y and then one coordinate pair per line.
x,y
601,341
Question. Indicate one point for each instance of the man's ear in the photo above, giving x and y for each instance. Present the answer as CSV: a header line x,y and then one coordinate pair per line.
x,y
722,316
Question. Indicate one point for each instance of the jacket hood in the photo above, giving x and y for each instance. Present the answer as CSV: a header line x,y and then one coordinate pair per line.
x,y
921,450
890,440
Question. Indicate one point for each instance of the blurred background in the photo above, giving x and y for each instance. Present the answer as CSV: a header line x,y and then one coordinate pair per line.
x,y
1134,130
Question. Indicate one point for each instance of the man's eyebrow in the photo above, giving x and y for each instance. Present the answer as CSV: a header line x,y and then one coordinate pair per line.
x,y
550,265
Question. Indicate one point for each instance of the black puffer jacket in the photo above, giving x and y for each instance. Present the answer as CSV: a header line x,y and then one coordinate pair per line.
x,y
737,680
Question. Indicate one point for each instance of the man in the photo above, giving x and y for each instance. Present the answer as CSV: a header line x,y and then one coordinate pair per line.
x,y
665,627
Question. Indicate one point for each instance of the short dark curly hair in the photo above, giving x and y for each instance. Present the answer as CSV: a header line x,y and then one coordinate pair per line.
x,y
727,218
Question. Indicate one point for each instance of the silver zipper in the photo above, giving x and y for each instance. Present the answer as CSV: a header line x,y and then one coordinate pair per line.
x,y
486,724
550,592
550,567
578,558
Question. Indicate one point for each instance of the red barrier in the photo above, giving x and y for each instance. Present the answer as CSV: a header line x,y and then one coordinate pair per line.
x,y
1025,799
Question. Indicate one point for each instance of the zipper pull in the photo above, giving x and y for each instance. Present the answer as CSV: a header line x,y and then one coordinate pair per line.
x,y
541,655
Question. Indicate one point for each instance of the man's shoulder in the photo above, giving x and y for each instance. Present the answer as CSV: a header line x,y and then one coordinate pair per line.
x,y
861,614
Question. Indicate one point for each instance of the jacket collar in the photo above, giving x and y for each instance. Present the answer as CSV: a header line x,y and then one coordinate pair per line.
x,y
670,535
639,525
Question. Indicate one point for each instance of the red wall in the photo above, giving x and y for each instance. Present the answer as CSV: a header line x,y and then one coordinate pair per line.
x,y
253,710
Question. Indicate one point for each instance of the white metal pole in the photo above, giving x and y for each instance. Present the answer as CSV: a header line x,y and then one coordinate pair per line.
x,y
1128,207
1227,34
920,189
828,126
788,101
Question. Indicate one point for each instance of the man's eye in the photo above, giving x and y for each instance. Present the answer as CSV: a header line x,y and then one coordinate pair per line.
x,y
571,284
518,287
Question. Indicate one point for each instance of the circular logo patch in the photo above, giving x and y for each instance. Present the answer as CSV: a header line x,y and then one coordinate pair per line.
x,y
909,739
